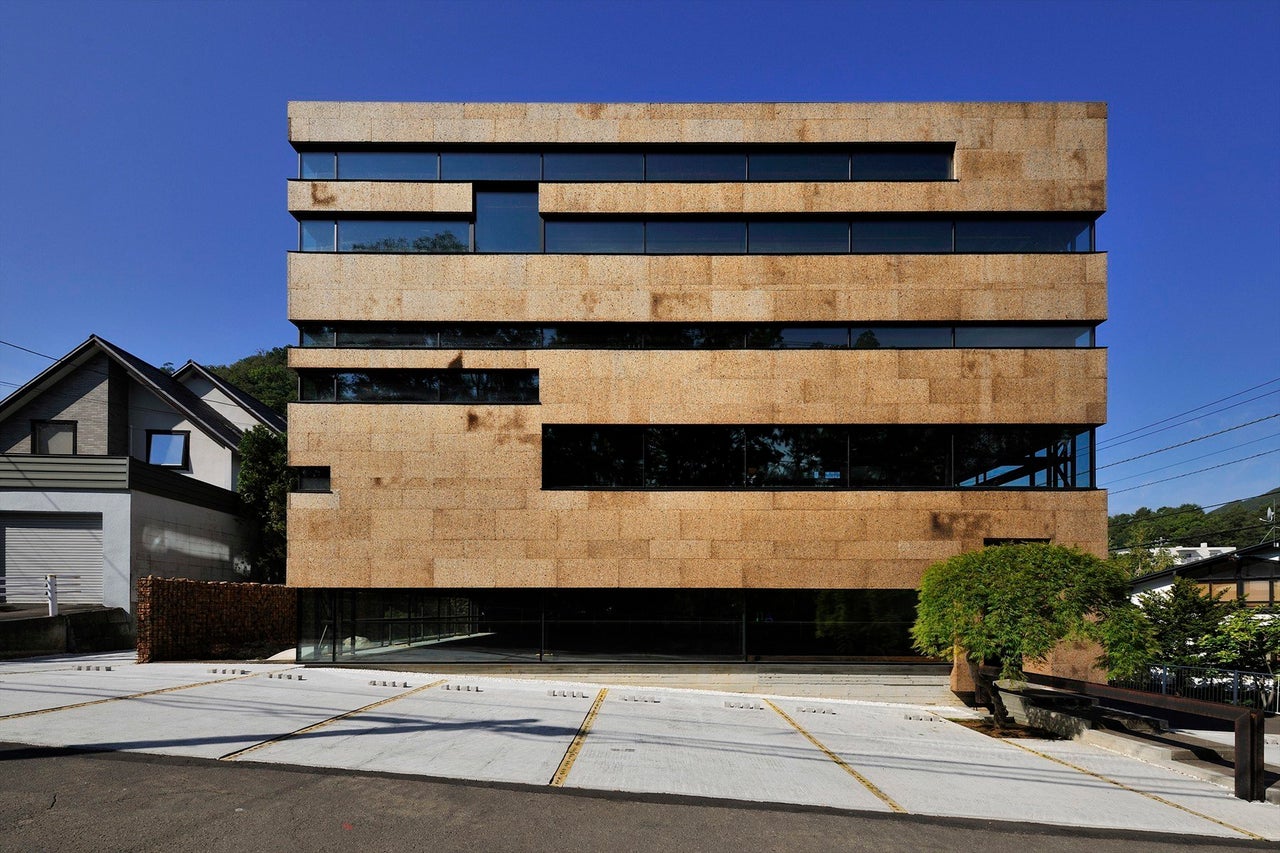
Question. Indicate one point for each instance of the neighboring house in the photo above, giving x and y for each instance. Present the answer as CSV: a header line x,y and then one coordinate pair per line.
x,y
1183,554
111,470
683,381
1251,574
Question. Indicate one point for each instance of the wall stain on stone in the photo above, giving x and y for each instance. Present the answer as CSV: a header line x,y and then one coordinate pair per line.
x,y
320,196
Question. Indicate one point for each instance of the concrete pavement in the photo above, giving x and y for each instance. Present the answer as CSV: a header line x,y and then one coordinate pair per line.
x,y
858,756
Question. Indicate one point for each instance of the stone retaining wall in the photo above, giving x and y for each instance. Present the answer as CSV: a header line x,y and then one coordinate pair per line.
x,y
181,619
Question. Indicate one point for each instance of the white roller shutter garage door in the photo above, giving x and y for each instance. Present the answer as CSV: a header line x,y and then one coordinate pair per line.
x,y
55,544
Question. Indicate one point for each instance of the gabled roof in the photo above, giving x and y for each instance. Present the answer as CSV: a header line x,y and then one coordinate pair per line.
x,y
261,412
164,386
1263,552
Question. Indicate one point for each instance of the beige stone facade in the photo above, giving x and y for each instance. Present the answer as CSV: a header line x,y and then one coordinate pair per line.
x,y
452,496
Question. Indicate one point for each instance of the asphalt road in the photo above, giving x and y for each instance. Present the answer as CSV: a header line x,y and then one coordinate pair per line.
x,y
60,800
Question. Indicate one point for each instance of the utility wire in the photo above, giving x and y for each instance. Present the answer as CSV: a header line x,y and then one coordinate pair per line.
x,y
1155,543
1191,459
1196,409
1113,443
1189,441
1198,471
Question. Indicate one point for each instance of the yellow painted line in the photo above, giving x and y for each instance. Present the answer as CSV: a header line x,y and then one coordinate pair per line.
x,y
575,747
231,756
866,783
130,696
1149,796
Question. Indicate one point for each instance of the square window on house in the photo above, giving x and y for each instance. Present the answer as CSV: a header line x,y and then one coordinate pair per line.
x,y
169,448
53,438
313,478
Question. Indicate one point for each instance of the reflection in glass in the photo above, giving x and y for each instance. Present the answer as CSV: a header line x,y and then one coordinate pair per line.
x,y
1013,235
811,337
507,222
695,167
316,235
807,456
316,166
484,336
316,336
593,166
488,386
901,337
905,457
593,238
1025,456
908,165
410,236
798,167
594,336
384,336
815,237
897,236
665,237
584,457
315,387
693,457
490,166
387,166
419,386
1022,336
167,448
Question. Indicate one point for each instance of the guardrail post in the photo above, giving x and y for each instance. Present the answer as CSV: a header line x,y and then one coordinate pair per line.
x,y
1164,678
1250,757
1235,687
51,592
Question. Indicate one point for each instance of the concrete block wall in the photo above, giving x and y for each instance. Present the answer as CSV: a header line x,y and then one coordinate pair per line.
x,y
81,397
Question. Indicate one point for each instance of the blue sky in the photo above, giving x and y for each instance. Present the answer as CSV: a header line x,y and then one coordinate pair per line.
x,y
143,160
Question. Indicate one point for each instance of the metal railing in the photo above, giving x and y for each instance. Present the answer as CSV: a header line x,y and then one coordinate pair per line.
x,y
35,588
1229,686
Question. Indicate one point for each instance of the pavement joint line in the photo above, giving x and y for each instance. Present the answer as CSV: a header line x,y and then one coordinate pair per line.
x,y
575,746
1146,794
231,756
866,783
130,696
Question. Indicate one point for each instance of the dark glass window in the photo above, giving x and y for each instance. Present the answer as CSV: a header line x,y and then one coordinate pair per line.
x,y
383,336
909,236
812,457
488,386
594,238
1012,235
483,336
798,167
907,457
508,222
317,336
368,235
316,165
800,337
169,448
693,457
900,337
316,235
665,237
490,166
594,336
388,166
815,237
593,166
679,336
53,438
388,386
592,457
315,387
1024,456
906,165
312,478
695,167
1023,336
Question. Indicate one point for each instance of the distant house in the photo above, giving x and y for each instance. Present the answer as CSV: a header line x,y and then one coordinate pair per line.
x,y
1187,554
111,470
1251,574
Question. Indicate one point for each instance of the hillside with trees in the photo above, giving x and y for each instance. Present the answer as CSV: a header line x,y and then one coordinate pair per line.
x,y
1236,523
265,375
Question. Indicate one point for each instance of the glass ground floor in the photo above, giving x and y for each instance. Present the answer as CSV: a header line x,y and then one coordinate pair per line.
x,y
604,625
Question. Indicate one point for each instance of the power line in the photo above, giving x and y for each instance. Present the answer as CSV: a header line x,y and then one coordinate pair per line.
x,y
1192,459
1189,441
1198,471
1175,512
24,349
1198,408
1113,443
1159,542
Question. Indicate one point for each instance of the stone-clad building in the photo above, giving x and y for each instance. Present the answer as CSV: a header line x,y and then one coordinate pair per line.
x,y
708,381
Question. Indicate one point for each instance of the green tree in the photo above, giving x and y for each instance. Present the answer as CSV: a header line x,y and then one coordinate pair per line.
x,y
1012,603
1245,640
1181,617
265,375
264,484
1138,560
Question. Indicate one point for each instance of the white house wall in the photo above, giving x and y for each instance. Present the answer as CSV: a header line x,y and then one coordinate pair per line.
x,y
210,461
221,403
176,539
114,507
